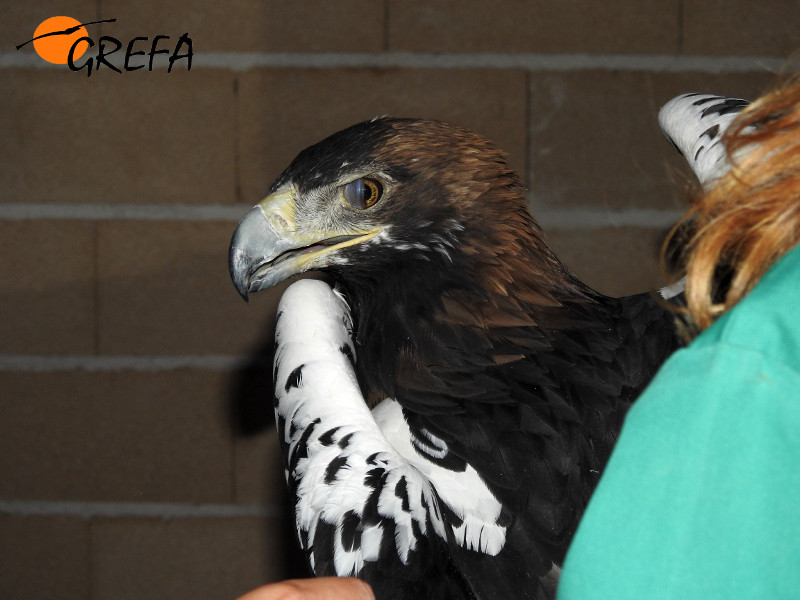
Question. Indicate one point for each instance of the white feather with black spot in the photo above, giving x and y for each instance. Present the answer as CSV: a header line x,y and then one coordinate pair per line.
x,y
332,442
464,492
695,123
331,439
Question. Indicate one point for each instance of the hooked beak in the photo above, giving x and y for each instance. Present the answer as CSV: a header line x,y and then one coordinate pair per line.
x,y
267,246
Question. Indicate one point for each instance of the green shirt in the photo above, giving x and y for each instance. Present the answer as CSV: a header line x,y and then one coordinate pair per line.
x,y
701,497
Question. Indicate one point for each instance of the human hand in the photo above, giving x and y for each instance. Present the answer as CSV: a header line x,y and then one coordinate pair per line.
x,y
321,588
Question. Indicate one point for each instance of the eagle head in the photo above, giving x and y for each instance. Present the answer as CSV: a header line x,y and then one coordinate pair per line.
x,y
401,197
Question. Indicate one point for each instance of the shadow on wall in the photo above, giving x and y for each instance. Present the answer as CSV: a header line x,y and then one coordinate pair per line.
x,y
252,392
251,414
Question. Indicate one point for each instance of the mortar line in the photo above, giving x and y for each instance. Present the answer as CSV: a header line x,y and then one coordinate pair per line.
x,y
123,212
583,218
535,62
40,363
166,510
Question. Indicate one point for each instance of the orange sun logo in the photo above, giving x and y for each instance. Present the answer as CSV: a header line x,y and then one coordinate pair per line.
x,y
63,40
55,36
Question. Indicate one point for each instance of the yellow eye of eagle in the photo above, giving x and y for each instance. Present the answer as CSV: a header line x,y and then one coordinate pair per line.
x,y
363,192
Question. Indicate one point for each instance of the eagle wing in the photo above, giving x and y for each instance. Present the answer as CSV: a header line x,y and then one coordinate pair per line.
x,y
361,507
694,124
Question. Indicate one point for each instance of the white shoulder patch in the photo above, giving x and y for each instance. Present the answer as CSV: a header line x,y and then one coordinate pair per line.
x,y
668,292
465,493
357,470
695,123
338,460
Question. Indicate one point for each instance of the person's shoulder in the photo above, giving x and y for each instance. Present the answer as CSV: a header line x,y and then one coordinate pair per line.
x,y
783,277
767,320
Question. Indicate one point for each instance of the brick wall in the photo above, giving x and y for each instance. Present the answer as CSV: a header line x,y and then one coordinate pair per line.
x,y
137,458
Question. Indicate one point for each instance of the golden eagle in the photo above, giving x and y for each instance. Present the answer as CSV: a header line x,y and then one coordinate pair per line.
x,y
501,380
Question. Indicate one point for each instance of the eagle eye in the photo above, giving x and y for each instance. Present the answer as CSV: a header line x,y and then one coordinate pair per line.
x,y
363,192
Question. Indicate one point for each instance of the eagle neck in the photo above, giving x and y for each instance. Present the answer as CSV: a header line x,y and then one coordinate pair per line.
x,y
460,318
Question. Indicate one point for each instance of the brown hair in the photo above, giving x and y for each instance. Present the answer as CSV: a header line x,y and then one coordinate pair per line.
x,y
751,217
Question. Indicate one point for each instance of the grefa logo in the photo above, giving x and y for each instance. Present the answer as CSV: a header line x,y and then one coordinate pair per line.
x,y
64,40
